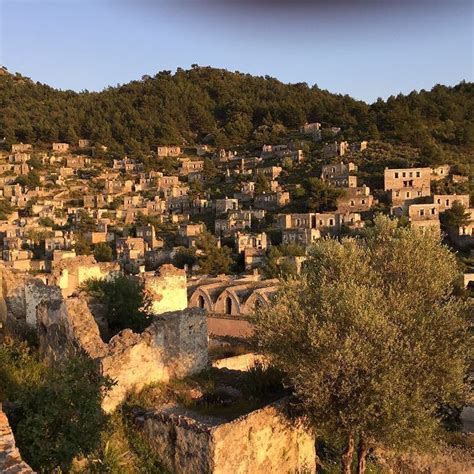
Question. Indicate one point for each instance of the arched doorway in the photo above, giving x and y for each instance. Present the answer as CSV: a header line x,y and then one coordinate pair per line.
x,y
228,305
201,302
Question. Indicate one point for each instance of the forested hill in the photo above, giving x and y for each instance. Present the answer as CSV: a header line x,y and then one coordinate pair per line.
x,y
224,108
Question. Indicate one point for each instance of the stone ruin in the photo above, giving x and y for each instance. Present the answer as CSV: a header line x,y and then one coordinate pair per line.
x,y
260,442
174,345
10,459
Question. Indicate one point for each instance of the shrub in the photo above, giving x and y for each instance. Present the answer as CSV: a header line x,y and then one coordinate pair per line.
x,y
127,305
55,413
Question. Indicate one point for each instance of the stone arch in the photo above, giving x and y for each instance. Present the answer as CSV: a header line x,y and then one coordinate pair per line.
x,y
201,299
253,301
228,301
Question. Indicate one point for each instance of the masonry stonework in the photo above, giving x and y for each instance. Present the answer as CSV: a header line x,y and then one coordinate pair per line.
x,y
167,289
174,345
260,442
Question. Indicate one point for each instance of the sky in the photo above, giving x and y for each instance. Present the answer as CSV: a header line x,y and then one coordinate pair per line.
x,y
364,48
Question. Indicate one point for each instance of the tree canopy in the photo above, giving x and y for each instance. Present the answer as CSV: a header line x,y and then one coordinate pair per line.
x,y
225,108
372,338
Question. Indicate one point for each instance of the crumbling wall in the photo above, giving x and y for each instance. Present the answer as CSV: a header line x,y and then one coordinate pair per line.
x,y
174,345
260,442
12,298
36,292
20,294
66,328
70,273
10,459
263,441
167,289
182,442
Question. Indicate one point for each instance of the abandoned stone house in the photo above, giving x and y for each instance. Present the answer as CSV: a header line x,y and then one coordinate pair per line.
x,y
401,178
335,149
355,200
325,222
77,162
440,172
446,201
174,345
131,251
189,232
164,151
236,221
465,233
84,143
189,166
310,128
356,147
247,240
163,183
202,150
270,172
300,236
60,147
341,169
21,147
272,201
148,234
263,441
227,204
424,216
19,158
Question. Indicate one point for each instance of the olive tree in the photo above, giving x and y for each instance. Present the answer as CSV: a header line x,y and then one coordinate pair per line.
x,y
371,338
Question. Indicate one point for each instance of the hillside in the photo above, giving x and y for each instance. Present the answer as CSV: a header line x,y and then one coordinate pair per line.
x,y
226,109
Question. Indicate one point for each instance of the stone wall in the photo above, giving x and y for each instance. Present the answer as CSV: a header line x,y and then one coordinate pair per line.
x,y
70,273
20,294
260,442
10,459
174,345
167,289
225,326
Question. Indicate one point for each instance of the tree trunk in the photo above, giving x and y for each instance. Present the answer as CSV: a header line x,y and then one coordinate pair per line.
x,y
348,455
362,456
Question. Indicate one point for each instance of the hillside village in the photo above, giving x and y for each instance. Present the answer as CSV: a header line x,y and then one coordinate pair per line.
x,y
72,199
208,232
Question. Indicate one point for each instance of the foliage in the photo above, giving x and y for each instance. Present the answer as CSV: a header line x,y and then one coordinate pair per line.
x,y
82,246
55,413
103,252
276,265
212,259
457,216
320,195
46,222
372,349
262,184
184,256
5,209
30,180
225,108
126,303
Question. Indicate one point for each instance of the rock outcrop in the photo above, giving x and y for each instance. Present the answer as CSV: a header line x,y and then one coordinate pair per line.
x,y
10,459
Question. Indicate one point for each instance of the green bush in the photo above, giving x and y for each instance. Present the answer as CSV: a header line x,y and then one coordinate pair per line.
x,y
55,412
127,305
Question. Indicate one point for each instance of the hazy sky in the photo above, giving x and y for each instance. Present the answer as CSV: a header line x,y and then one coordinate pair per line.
x,y
365,48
